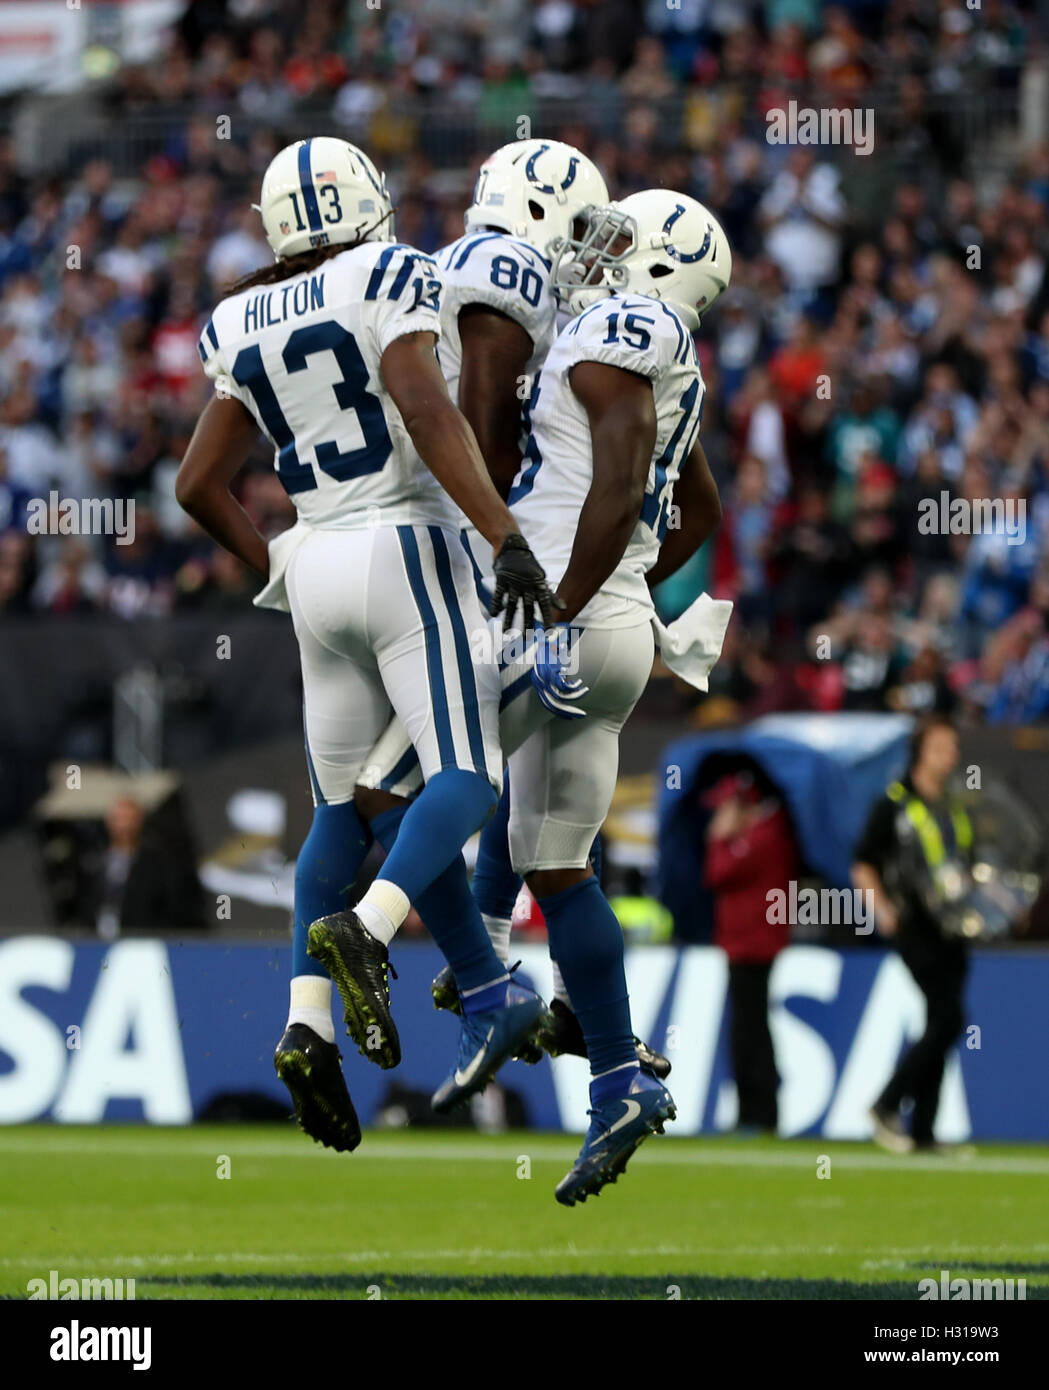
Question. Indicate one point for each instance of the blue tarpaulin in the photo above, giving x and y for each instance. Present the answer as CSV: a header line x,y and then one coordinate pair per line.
x,y
829,769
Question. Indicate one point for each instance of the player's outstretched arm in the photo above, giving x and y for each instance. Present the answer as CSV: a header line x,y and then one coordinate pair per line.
x,y
622,414
221,442
442,435
699,505
496,351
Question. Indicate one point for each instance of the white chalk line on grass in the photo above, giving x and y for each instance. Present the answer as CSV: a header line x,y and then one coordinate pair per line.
x,y
545,1150
322,1258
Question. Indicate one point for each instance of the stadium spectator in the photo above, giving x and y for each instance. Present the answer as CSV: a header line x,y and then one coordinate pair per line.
x,y
143,881
803,213
853,271
750,854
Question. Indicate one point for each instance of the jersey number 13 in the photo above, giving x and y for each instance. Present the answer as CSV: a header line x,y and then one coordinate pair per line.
x,y
351,393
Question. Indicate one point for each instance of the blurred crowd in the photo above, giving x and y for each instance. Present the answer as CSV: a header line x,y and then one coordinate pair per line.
x,y
885,340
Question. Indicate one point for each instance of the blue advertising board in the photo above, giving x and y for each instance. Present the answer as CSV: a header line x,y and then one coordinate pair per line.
x,y
153,1030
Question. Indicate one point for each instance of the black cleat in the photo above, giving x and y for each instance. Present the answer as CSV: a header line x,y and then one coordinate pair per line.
x,y
360,966
651,1060
564,1037
445,992
311,1070
530,1052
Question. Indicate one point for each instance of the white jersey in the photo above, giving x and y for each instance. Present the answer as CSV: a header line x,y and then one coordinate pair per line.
x,y
643,336
303,356
496,270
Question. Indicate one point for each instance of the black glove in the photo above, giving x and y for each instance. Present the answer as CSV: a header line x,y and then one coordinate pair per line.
x,y
520,579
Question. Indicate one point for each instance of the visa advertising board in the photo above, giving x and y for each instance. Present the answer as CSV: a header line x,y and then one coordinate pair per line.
x,y
155,1030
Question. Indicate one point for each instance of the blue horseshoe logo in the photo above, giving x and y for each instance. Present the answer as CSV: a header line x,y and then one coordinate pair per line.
x,y
673,252
547,187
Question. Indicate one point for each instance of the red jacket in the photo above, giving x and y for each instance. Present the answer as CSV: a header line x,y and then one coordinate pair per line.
x,y
740,871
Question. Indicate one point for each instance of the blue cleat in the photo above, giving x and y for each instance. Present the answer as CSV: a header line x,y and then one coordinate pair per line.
x,y
486,1041
617,1127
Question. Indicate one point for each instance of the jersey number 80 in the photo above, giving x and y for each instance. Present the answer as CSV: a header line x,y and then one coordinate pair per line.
x,y
508,275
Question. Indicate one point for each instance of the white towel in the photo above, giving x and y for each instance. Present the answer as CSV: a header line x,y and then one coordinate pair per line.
x,y
691,644
281,549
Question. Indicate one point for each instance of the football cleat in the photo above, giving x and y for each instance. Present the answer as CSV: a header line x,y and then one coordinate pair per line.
x,y
445,992
311,1070
360,966
446,996
564,1037
651,1060
531,1051
559,1032
486,1041
617,1127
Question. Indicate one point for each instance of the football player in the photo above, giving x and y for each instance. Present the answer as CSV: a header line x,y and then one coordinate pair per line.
x,y
330,352
531,197
612,457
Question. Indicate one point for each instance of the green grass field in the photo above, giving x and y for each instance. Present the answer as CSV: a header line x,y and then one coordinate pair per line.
x,y
445,1215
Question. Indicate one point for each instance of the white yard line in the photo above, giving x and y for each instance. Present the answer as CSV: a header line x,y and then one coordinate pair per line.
x,y
322,1258
542,1149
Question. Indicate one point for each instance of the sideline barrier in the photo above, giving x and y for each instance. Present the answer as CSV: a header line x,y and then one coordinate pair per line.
x,y
150,1029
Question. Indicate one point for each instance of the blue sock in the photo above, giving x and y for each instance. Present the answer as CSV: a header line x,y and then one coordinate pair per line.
x,y
617,1083
328,862
452,918
496,886
436,825
484,998
586,940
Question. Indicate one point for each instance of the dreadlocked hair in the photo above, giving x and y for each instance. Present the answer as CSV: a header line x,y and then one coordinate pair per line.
x,y
289,266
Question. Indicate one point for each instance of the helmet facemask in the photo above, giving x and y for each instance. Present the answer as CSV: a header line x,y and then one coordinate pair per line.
x,y
592,265
630,247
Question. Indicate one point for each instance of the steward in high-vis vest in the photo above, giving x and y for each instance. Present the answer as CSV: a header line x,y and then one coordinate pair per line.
x,y
938,865
914,858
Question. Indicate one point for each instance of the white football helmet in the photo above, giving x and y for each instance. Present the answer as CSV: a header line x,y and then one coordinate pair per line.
x,y
535,190
659,243
321,192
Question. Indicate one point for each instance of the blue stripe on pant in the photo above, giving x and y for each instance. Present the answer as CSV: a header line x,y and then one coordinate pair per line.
x,y
318,795
434,661
484,594
467,679
400,770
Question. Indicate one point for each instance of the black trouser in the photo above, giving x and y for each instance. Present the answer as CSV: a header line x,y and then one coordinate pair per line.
x,y
939,970
753,1061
